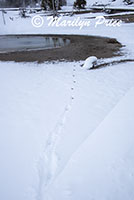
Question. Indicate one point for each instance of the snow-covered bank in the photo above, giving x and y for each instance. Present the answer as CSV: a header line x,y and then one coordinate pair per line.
x,y
102,168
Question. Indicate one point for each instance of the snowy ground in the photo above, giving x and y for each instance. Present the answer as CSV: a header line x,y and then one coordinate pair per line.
x,y
102,168
52,144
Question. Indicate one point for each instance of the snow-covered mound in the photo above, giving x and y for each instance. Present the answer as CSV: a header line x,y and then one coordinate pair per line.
x,y
90,62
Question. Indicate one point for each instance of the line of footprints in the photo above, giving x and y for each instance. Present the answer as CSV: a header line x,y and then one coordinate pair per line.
x,y
74,82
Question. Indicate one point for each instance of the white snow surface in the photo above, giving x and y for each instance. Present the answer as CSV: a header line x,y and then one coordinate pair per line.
x,y
66,132
105,159
35,106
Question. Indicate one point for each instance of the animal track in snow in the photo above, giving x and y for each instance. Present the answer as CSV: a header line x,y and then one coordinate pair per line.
x,y
48,162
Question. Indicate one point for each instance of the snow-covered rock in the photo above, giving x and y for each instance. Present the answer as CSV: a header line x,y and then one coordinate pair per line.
x,y
90,62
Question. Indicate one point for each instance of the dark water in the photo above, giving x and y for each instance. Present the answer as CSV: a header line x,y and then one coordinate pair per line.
x,y
22,43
